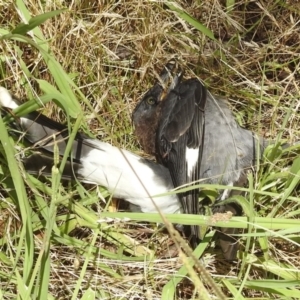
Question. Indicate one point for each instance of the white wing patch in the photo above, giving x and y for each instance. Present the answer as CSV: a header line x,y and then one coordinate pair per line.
x,y
6,99
122,172
191,156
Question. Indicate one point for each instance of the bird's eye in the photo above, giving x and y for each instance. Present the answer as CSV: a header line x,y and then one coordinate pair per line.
x,y
150,101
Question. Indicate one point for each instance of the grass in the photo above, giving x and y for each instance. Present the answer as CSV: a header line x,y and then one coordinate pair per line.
x,y
87,66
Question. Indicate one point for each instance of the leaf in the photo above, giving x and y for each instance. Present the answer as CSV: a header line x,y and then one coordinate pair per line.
x,y
293,178
191,20
58,97
35,22
282,270
89,295
229,5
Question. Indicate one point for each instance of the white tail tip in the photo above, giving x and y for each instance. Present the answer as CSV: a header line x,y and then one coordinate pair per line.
x,y
6,99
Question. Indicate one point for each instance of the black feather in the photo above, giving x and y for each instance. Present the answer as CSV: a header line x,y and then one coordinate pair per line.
x,y
181,126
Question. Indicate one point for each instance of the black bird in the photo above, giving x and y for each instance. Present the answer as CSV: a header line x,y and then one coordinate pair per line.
x,y
231,151
195,135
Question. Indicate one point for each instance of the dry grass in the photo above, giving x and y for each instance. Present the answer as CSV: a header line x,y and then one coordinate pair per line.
x,y
113,50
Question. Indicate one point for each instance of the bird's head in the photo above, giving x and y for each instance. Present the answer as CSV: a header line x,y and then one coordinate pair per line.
x,y
146,114
148,107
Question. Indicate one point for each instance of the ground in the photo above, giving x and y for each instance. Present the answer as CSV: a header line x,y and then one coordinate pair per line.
x,y
102,57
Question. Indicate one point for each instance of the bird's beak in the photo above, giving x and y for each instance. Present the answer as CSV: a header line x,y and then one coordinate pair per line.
x,y
169,77
162,95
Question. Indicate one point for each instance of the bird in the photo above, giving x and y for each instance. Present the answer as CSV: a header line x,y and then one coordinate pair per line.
x,y
125,175
195,135
100,163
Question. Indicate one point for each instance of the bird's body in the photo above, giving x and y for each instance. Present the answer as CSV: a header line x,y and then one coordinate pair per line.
x,y
195,135
228,151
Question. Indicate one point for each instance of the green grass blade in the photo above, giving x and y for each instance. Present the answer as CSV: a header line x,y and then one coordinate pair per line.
x,y
23,204
189,19
36,21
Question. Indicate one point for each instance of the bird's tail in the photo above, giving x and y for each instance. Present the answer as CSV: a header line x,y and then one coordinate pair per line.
x,y
40,164
43,134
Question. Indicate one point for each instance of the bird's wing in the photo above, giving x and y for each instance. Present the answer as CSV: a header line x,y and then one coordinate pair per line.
x,y
180,139
181,128
183,113
124,174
